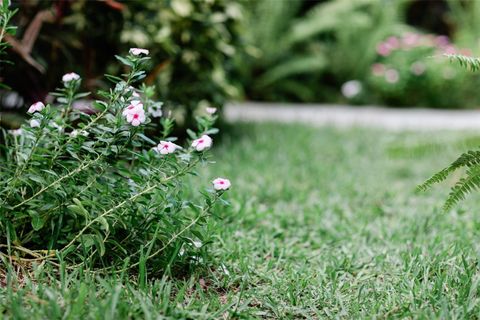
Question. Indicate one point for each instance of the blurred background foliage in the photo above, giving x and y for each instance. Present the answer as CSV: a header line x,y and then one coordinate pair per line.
x,y
192,44
207,52
308,50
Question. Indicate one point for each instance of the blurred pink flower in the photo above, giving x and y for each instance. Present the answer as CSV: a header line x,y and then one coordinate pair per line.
x,y
410,39
442,41
204,142
210,110
418,68
449,49
34,123
166,147
70,76
383,49
392,76
138,51
393,43
221,184
37,106
134,106
378,69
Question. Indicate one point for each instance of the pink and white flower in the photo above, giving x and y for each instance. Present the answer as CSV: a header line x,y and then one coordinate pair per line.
x,y
383,49
134,113
202,143
221,184
36,107
34,123
138,51
210,110
166,147
136,118
392,76
70,77
134,106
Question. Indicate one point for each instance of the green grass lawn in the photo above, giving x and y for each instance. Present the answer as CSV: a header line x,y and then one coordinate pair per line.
x,y
323,223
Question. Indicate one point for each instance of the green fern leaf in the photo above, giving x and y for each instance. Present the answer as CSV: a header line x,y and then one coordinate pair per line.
x,y
466,62
468,159
463,187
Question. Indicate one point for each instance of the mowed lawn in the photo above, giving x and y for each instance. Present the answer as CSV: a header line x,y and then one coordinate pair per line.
x,y
322,223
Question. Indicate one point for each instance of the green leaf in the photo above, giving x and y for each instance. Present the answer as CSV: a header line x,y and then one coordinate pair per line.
x,y
104,223
124,61
99,244
78,208
37,222
147,139
191,134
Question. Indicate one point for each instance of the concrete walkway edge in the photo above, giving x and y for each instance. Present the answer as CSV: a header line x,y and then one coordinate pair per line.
x,y
351,116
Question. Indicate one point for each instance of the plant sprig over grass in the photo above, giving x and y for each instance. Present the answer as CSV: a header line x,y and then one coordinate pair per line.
x,y
469,160
471,63
93,190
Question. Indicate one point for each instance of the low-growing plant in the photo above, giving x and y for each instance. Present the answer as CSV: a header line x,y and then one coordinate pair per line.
x,y
90,188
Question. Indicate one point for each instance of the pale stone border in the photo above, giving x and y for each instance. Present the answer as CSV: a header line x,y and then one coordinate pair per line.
x,y
351,116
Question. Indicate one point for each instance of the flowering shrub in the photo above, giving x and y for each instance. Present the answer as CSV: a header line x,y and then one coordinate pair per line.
x,y
93,189
410,70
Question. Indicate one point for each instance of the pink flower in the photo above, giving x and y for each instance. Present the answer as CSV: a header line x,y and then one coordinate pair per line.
x,y
383,49
166,147
37,106
70,76
442,41
134,106
204,142
221,184
392,76
378,69
138,51
210,110
136,118
34,123
410,39
134,113
417,68
449,49
393,43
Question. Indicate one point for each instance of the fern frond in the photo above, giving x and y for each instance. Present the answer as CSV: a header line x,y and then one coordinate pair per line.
x,y
466,62
468,159
463,187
